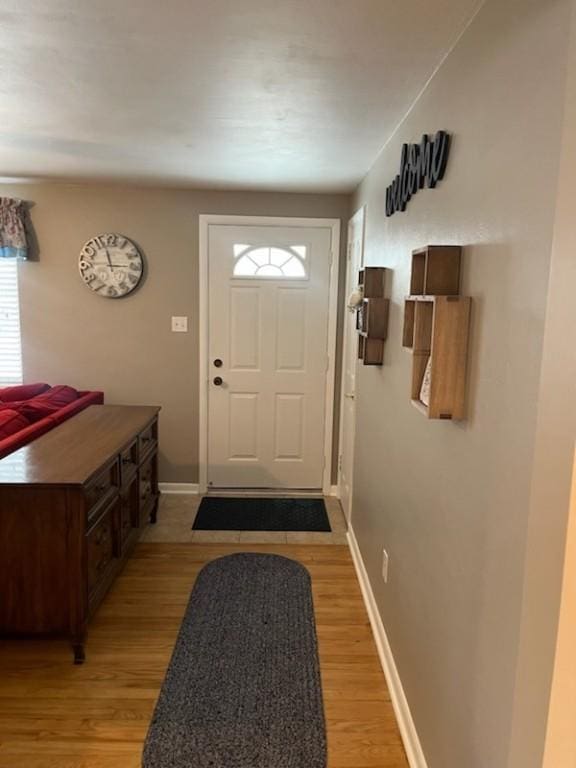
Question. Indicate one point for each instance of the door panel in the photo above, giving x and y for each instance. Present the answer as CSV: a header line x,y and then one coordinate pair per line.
x,y
243,421
289,423
290,329
245,328
349,362
268,304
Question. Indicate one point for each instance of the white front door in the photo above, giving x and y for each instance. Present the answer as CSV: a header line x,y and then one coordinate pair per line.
x,y
268,307
354,261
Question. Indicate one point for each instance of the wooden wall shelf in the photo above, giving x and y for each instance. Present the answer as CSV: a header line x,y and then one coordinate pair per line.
x,y
372,316
436,271
436,329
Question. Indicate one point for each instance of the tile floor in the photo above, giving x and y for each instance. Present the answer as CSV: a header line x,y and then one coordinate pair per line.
x,y
177,512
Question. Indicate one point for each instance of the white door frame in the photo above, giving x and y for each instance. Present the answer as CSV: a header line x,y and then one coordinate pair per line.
x,y
359,214
205,220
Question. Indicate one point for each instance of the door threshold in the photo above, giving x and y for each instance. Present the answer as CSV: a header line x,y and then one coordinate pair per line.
x,y
263,492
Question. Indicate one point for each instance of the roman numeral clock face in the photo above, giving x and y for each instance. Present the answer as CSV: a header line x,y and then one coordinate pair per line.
x,y
111,265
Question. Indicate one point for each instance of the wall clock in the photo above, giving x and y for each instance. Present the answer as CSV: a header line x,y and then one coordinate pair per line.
x,y
111,265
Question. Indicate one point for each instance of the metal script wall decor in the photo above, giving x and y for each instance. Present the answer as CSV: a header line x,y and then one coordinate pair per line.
x,y
421,165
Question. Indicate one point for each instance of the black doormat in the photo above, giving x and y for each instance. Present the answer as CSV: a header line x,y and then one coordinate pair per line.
x,y
260,514
243,686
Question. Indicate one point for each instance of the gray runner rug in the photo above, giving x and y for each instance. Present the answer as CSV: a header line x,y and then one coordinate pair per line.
x,y
243,687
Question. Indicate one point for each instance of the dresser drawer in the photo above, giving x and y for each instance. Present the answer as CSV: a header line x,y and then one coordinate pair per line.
x,y
147,489
100,547
104,485
129,462
148,439
128,519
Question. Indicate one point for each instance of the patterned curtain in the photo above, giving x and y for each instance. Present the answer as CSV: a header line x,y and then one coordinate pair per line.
x,y
13,243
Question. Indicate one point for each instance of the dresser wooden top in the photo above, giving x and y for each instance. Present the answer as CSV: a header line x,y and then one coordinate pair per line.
x,y
73,451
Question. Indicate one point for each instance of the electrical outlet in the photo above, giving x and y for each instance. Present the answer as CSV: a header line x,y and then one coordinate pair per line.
x,y
385,566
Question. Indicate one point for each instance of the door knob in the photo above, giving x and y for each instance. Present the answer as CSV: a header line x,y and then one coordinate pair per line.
x,y
218,381
218,363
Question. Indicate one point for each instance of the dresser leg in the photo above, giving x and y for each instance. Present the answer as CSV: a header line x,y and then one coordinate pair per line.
x,y
154,513
79,654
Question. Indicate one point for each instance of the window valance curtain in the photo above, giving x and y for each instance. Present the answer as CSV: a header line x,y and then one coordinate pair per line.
x,y
13,243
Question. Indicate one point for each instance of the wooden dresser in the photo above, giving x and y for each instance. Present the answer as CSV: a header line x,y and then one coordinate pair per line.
x,y
72,505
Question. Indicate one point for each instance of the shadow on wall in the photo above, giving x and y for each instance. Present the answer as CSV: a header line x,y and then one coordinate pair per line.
x,y
483,363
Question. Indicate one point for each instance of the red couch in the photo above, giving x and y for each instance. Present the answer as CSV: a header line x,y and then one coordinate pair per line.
x,y
30,410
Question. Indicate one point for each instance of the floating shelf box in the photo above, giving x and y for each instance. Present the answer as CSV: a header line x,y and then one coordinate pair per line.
x,y
372,317
409,317
371,351
436,329
436,271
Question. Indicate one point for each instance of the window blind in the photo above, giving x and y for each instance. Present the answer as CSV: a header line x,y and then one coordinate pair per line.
x,y
10,342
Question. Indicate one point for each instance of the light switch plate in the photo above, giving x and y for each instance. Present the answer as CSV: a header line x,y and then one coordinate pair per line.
x,y
180,325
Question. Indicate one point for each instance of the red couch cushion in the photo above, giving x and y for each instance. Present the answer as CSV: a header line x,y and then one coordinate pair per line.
x,y
48,403
11,422
22,392
32,431
60,395
84,400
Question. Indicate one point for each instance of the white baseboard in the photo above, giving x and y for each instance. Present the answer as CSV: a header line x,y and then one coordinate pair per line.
x,y
408,732
182,488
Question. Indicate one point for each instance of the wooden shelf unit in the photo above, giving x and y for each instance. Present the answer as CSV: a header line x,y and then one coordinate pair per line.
x,y
372,316
436,271
436,329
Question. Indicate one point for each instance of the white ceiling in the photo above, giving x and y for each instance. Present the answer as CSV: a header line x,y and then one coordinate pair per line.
x,y
274,94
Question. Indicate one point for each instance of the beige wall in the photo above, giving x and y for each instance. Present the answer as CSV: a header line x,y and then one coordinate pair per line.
x,y
551,540
450,501
126,347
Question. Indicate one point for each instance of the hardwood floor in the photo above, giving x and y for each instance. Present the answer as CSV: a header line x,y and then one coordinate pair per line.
x,y
56,715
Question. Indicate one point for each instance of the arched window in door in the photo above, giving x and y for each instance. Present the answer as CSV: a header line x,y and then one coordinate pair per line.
x,y
286,262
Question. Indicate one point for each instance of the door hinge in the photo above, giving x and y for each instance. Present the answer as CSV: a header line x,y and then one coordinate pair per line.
x,y
340,463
